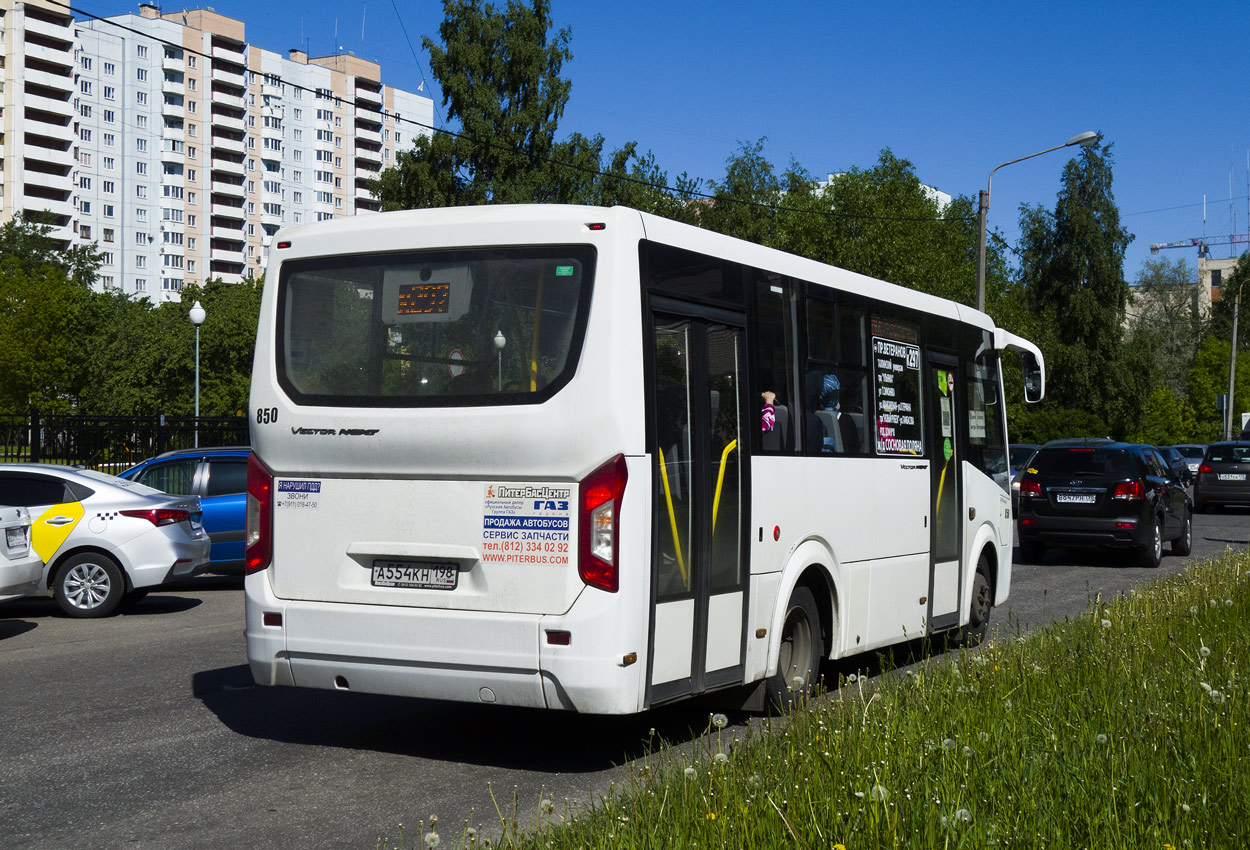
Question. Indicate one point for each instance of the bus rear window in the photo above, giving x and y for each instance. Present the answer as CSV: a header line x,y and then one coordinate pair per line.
x,y
437,328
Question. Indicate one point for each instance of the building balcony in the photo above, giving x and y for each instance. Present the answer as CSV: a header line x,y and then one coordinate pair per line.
x,y
363,194
63,33
225,143
228,122
227,166
64,210
364,171
171,64
53,182
231,54
175,250
52,156
221,97
271,220
227,211
370,116
174,87
61,58
271,133
364,156
233,190
365,95
232,234
60,108
368,134
173,110
229,75
59,82
221,255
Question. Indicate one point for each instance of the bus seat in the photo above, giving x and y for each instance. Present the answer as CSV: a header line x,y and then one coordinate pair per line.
x,y
778,439
829,419
858,419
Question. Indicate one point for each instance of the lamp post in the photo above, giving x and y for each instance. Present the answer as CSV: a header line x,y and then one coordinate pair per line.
x,y
1083,139
197,318
500,342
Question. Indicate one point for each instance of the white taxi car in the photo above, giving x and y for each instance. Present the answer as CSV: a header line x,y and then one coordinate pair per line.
x,y
20,567
103,541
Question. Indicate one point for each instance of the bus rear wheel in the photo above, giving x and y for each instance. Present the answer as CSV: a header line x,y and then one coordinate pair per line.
x,y
798,661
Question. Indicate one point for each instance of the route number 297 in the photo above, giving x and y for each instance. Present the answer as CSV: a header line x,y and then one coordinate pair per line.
x,y
266,415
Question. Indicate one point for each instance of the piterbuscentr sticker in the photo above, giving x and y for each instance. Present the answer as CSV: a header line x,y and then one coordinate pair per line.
x,y
301,495
526,524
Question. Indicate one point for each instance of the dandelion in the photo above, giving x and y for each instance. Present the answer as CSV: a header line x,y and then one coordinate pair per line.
x,y
1228,603
879,793
547,806
720,721
1106,624
1205,687
691,773
431,839
852,679
1193,609
471,833
798,683
1217,697
967,752
963,816
720,758
1204,651
755,781
711,815
948,743
1185,808
1100,738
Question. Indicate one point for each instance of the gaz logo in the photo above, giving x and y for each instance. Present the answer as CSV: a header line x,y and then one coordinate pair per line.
x,y
550,505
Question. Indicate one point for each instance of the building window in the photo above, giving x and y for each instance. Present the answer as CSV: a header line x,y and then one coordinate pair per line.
x,y
84,182
108,234
141,261
141,285
141,50
141,98
110,70
108,211
84,230
141,74
86,63
84,86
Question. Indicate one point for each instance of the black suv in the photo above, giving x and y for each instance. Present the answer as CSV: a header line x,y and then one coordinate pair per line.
x,y
1223,476
1103,494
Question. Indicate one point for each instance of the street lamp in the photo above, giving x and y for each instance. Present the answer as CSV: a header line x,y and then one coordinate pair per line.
x,y
1083,139
197,318
500,342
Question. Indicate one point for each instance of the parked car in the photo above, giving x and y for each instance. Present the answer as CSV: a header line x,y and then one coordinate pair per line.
x,y
1193,453
1177,463
218,476
1018,455
20,567
103,540
1103,494
1222,476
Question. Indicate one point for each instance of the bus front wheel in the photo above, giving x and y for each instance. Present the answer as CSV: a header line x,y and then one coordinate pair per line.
x,y
798,661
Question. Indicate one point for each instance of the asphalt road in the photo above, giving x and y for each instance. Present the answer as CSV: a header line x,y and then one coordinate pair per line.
x,y
145,731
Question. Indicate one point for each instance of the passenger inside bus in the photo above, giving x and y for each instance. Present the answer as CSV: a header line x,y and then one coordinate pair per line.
x,y
837,433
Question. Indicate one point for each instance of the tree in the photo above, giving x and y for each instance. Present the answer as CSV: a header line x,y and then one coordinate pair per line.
x,y
1071,273
1163,317
500,77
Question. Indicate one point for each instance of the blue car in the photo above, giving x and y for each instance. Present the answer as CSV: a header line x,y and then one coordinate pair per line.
x,y
219,477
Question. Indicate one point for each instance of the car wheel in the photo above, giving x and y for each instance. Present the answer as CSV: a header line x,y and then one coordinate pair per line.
x,y
799,658
1152,555
89,585
982,604
1032,551
1183,544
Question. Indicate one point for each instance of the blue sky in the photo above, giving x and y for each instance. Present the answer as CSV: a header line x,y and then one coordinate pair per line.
x,y
954,87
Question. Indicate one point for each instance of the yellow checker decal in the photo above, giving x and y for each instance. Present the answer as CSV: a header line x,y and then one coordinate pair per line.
x,y
46,538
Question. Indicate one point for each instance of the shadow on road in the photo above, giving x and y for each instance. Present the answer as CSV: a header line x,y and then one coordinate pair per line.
x,y
13,628
452,732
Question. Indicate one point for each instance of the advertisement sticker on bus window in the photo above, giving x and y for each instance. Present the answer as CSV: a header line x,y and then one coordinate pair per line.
x,y
897,372
527,524
300,495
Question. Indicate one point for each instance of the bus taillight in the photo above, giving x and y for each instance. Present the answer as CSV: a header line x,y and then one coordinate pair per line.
x,y
598,525
259,535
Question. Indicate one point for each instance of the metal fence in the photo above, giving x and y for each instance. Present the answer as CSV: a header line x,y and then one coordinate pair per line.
x,y
110,443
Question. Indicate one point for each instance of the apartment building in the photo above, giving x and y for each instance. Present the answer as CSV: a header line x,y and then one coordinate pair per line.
x,y
179,148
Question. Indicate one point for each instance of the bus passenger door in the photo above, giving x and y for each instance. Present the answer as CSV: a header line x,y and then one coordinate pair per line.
x,y
698,569
944,571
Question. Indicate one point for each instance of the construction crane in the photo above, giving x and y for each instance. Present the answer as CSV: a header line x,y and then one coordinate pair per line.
x,y
1203,243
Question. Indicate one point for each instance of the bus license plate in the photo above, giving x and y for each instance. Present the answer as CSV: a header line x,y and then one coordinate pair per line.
x,y
1075,498
409,574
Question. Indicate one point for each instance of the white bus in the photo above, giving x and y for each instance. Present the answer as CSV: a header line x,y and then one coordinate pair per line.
x,y
518,455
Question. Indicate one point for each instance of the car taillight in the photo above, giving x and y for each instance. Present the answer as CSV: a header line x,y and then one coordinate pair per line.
x,y
1131,490
160,516
1030,487
1204,468
259,537
598,519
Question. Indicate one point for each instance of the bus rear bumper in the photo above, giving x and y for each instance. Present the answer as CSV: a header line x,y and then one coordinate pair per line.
x,y
461,656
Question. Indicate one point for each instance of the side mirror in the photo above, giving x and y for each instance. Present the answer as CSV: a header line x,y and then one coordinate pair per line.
x,y
1034,377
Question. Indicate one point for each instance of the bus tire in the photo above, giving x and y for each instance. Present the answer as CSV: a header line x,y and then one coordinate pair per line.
x,y
798,659
981,605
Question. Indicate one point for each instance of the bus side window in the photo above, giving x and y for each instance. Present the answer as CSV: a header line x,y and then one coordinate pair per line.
x,y
774,352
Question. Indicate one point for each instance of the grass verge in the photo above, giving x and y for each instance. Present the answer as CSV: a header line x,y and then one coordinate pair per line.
x,y
1122,728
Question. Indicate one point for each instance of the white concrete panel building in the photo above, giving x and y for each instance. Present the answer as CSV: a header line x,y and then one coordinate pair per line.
x,y
179,148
